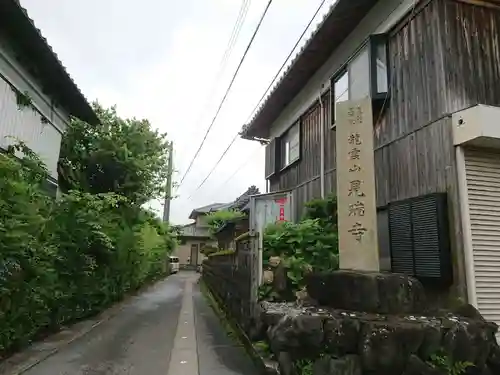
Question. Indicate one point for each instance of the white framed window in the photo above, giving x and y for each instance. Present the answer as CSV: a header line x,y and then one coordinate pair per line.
x,y
291,145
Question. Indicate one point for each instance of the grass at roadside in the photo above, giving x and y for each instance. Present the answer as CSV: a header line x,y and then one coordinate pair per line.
x,y
220,312
258,351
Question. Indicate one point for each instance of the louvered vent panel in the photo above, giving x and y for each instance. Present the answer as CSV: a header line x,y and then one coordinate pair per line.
x,y
426,237
400,236
419,238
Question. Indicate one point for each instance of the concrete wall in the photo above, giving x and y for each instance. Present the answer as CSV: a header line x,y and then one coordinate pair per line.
x,y
184,251
26,124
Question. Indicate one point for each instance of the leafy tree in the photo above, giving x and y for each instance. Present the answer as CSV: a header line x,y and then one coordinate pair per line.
x,y
216,220
123,156
67,258
325,210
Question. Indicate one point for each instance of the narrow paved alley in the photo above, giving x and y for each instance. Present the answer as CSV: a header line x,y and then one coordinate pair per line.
x,y
169,329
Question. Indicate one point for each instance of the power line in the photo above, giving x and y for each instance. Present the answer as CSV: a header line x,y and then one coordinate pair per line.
x,y
240,20
240,167
263,96
286,60
270,85
229,146
227,91
234,35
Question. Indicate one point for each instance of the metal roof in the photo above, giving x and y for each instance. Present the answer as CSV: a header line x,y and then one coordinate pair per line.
x,y
37,56
337,24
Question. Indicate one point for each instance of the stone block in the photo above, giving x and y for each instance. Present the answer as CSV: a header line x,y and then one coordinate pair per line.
x,y
382,293
416,366
300,334
342,335
348,365
386,347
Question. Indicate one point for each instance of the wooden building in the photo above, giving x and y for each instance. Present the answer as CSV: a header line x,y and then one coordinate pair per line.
x,y
432,69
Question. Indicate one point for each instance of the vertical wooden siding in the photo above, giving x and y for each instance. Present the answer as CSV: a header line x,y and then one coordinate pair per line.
x,y
444,57
471,34
303,176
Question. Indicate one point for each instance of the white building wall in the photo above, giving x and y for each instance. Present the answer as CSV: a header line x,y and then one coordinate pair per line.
x,y
26,124
380,19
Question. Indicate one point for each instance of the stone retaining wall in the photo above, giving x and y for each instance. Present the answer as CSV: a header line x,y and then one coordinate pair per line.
x,y
353,343
376,324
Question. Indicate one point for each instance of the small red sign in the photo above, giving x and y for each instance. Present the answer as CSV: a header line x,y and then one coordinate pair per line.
x,y
281,202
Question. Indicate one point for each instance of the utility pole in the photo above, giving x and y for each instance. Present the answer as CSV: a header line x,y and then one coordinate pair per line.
x,y
168,187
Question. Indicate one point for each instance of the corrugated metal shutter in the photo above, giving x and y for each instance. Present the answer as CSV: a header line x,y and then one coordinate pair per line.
x,y
483,187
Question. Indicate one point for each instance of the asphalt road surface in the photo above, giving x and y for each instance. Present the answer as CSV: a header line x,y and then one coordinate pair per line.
x,y
168,330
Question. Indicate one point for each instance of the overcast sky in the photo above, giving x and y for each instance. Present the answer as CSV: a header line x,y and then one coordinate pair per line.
x,y
158,59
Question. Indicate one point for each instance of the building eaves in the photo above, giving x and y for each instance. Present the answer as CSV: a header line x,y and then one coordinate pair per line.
x,y
206,209
342,17
35,52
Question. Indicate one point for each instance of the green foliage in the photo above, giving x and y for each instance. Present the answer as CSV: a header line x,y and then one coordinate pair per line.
x,y
44,120
208,250
310,245
441,361
304,247
122,156
23,100
304,367
221,252
66,259
325,210
216,220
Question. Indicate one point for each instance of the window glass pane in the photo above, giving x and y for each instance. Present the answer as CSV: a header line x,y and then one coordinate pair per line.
x,y
381,62
294,153
341,91
359,76
287,153
292,145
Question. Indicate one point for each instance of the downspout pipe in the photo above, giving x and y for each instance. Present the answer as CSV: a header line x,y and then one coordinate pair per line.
x,y
322,147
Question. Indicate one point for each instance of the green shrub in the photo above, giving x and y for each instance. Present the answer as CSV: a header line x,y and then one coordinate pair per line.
x,y
66,259
221,252
208,250
216,220
310,245
325,210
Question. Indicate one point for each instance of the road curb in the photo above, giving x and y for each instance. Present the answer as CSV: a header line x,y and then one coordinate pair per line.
x,y
7,367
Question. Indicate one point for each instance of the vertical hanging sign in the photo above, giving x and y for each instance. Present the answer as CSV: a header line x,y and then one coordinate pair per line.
x,y
357,211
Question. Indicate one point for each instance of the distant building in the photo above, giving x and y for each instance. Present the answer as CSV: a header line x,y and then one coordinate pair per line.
x,y
195,236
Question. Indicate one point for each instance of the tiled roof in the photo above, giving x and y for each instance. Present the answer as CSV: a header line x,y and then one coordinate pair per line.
x,y
42,61
342,17
242,200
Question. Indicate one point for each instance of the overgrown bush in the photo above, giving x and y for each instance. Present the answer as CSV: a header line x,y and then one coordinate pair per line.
x,y
216,220
65,259
310,245
324,210
208,250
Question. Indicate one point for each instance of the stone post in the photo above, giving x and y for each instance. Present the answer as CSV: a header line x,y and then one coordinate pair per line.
x,y
356,199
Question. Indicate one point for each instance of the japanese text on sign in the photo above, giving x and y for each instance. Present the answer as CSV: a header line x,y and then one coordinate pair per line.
x,y
355,117
281,216
357,215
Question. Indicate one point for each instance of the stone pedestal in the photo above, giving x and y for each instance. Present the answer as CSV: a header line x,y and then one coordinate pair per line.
x,y
370,292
